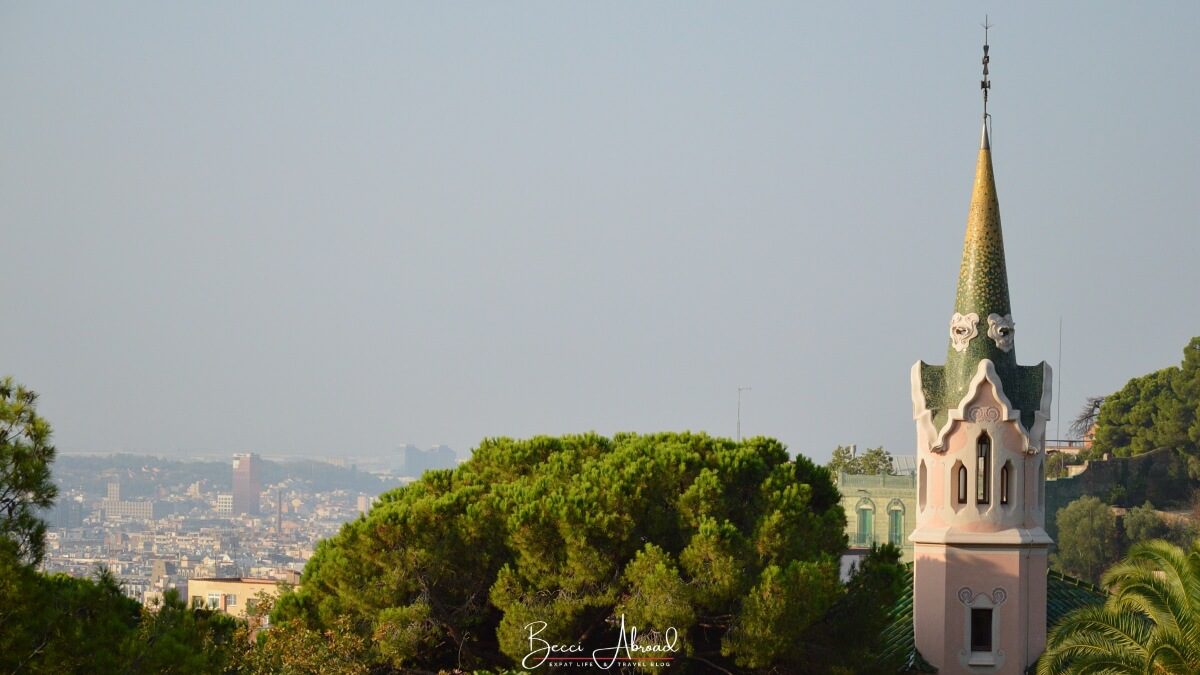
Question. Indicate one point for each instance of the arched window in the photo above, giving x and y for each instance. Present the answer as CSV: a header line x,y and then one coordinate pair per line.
x,y
962,484
983,457
866,523
896,523
1005,472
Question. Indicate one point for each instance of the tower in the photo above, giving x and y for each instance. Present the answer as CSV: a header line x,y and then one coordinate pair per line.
x,y
247,484
979,570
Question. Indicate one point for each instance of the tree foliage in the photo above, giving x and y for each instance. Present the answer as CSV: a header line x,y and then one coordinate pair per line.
x,y
1143,522
1087,538
59,624
1149,624
873,462
1158,410
294,648
25,457
728,543
174,638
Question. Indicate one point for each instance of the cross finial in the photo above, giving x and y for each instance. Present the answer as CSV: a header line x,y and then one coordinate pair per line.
x,y
985,84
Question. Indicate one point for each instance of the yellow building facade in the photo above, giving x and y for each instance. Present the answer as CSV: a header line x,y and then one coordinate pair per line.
x,y
233,596
879,510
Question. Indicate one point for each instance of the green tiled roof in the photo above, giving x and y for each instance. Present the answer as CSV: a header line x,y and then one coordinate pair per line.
x,y
899,644
1063,594
1022,385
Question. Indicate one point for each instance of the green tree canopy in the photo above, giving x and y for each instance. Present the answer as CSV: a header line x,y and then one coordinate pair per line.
x,y
726,550
1149,624
293,647
1087,538
1143,522
873,462
25,457
59,624
1158,410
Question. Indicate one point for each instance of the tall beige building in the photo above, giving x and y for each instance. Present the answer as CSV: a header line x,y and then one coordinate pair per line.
x,y
247,483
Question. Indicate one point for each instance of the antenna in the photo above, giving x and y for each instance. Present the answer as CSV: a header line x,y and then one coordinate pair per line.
x,y
739,419
985,84
1058,377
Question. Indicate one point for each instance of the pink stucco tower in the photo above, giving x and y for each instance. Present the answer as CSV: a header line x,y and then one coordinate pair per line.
x,y
979,570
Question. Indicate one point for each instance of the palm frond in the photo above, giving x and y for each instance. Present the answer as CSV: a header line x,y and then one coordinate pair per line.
x,y
1153,597
1150,625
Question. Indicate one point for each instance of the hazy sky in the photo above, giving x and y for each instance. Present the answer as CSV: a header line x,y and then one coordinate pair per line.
x,y
334,228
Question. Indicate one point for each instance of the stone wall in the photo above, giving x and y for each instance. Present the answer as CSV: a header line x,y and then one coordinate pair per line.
x,y
1160,476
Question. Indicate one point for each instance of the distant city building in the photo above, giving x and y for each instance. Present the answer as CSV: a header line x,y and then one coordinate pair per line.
x,y
150,557
416,461
115,508
247,483
233,596
162,569
65,513
364,503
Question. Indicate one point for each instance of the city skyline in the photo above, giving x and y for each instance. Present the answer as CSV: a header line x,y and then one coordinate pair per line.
x,y
307,232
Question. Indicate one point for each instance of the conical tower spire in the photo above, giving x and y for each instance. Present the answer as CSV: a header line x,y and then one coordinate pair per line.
x,y
982,275
981,328
982,325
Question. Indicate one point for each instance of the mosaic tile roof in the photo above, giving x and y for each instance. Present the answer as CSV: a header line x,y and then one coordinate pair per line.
x,y
982,291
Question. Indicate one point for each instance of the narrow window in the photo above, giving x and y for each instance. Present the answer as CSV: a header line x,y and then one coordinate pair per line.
x,y
1041,493
981,629
866,524
1004,484
922,481
962,485
983,455
895,526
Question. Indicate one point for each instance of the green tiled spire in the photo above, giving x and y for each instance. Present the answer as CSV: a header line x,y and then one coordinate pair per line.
x,y
982,277
982,292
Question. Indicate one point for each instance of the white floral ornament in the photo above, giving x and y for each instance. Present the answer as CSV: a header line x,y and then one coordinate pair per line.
x,y
1001,329
963,329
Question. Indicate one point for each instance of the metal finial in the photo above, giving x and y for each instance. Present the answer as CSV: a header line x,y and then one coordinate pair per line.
x,y
985,84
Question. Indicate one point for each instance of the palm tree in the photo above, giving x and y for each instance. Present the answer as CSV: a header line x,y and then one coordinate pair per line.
x,y
1150,624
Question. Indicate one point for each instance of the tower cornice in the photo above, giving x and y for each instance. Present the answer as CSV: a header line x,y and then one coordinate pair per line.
x,y
935,420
